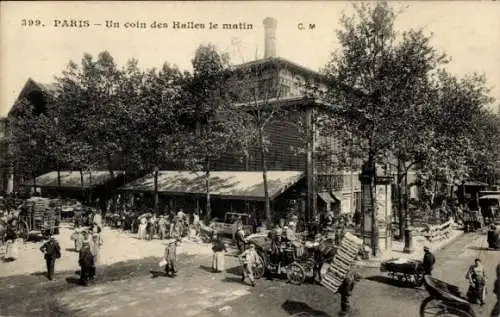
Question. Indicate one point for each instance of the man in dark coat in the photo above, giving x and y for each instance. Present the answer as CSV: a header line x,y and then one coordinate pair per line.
x,y
493,242
428,261
51,251
86,262
345,291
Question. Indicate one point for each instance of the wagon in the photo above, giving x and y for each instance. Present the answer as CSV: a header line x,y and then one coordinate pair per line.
x,y
444,300
296,260
40,215
406,270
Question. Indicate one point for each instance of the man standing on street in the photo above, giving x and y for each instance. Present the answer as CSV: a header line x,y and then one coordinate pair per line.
x,y
51,251
171,257
249,259
86,262
345,291
428,261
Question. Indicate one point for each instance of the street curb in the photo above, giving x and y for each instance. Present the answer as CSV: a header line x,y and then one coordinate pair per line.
x,y
375,263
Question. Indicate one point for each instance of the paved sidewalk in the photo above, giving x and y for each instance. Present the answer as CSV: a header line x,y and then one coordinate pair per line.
x,y
418,249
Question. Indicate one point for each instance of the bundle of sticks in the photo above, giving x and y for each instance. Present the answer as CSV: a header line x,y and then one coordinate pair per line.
x,y
345,256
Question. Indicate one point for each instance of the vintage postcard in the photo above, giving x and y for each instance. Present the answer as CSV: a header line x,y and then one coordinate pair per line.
x,y
249,158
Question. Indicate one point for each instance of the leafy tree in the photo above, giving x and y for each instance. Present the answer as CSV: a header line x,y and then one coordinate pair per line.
x,y
457,126
390,76
255,104
362,63
89,110
204,136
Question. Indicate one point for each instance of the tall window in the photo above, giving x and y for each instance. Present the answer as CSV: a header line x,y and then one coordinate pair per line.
x,y
284,90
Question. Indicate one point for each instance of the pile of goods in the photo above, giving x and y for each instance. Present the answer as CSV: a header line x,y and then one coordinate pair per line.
x,y
345,256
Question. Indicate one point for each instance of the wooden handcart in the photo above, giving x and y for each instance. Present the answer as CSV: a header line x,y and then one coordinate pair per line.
x,y
406,270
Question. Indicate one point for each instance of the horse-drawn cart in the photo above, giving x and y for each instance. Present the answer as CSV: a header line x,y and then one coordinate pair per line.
x,y
291,259
406,270
297,259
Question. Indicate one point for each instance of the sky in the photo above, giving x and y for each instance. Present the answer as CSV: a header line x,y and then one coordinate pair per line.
x,y
468,31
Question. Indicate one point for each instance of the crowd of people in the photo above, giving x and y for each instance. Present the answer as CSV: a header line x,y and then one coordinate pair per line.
x,y
173,227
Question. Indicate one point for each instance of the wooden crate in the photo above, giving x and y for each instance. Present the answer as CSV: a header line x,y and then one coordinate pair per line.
x,y
345,256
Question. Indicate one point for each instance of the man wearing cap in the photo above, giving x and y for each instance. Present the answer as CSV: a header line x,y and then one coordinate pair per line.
x,y
249,259
345,291
171,257
428,261
51,251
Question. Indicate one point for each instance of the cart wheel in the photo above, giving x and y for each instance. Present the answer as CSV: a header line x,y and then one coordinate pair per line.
x,y
309,266
432,307
323,269
295,273
259,268
419,279
23,230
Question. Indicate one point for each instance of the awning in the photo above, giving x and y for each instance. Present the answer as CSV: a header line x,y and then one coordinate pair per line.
x,y
475,183
228,185
337,195
72,179
495,197
327,197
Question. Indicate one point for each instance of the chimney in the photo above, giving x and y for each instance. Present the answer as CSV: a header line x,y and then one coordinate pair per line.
x,y
270,37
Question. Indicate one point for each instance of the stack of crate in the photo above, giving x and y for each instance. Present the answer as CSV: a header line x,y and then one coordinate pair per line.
x,y
345,256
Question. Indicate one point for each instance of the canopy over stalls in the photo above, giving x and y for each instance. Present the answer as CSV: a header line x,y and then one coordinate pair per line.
x,y
492,197
225,185
73,179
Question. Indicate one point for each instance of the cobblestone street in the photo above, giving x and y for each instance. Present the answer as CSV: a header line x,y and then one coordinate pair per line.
x,y
129,288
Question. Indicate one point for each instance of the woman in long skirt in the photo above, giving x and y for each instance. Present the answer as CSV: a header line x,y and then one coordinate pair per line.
x,y
218,249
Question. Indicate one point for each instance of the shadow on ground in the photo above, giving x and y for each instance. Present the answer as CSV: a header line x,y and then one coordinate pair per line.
x,y
235,270
32,295
389,281
206,268
232,279
295,308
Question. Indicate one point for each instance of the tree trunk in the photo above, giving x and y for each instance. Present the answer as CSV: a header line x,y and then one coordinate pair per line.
x,y
58,176
247,168
405,200
81,183
373,201
90,188
400,202
207,184
156,200
264,178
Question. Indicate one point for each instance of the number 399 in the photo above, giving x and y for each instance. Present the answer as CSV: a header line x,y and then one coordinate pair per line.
x,y
29,22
